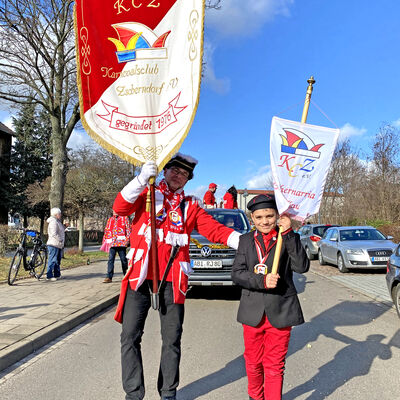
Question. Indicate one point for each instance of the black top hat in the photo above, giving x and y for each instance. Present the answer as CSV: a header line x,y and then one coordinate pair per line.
x,y
182,161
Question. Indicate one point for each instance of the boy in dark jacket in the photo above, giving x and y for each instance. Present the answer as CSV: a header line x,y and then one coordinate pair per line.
x,y
269,306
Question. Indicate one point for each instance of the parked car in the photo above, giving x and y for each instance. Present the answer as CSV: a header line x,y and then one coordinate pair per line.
x,y
393,277
310,235
212,262
351,247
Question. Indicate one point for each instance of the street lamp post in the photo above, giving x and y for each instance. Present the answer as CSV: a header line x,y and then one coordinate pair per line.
x,y
245,194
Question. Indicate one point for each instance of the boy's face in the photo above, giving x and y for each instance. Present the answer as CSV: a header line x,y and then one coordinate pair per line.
x,y
264,219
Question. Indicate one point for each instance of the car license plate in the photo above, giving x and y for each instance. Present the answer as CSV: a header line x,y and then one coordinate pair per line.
x,y
206,263
379,259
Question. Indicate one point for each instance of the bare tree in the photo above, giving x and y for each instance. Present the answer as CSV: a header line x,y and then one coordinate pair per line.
x,y
341,183
216,4
385,174
94,178
37,65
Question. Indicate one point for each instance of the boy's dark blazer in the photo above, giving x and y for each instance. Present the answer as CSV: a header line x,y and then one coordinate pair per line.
x,y
280,305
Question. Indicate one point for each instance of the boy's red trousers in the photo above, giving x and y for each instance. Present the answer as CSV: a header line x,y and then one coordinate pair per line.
x,y
265,349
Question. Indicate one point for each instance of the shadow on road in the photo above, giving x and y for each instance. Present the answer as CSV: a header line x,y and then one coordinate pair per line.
x,y
346,313
342,367
232,372
352,361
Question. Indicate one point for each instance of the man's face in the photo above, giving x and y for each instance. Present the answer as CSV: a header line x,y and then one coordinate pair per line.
x,y
213,189
264,219
176,178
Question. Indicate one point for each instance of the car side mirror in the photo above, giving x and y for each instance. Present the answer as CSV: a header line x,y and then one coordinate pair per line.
x,y
333,239
389,237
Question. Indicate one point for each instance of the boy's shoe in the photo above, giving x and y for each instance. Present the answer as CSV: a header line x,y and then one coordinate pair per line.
x,y
107,280
51,279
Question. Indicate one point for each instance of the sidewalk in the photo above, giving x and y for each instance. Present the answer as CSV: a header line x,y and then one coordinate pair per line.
x,y
33,313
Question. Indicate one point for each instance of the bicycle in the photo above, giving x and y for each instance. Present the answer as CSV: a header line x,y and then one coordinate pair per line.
x,y
37,261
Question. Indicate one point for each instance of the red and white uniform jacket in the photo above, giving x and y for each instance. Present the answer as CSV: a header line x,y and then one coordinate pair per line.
x,y
132,199
117,231
229,201
209,200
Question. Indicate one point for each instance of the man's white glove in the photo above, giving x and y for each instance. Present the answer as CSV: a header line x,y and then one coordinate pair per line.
x,y
149,169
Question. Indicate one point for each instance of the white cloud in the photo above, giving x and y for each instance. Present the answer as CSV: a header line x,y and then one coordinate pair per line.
x,y
236,16
197,192
8,122
348,130
396,123
79,138
219,85
261,180
245,17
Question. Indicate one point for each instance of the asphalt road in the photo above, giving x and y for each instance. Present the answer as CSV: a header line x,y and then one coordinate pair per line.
x,y
348,349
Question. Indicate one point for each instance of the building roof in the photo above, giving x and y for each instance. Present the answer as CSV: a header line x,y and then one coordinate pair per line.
x,y
255,192
6,129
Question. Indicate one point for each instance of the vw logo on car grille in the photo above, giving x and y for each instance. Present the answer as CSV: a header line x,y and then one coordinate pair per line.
x,y
205,251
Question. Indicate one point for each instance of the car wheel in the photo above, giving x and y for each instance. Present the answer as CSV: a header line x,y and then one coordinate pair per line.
x,y
396,298
309,255
340,264
320,258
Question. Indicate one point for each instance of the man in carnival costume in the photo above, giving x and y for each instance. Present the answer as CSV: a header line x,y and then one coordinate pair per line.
x,y
209,197
176,216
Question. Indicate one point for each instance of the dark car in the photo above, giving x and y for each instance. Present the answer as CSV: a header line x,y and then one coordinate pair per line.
x,y
310,235
212,262
393,277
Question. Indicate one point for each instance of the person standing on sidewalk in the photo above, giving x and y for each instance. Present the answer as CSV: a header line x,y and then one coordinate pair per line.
x,y
116,237
268,306
55,244
176,216
209,197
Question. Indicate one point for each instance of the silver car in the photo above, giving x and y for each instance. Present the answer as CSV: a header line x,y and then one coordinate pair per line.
x,y
351,247
212,262
310,235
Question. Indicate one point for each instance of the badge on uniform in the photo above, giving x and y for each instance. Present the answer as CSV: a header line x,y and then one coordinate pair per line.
x,y
261,269
175,218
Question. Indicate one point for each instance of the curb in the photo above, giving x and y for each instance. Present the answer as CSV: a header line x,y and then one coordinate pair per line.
x,y
17,351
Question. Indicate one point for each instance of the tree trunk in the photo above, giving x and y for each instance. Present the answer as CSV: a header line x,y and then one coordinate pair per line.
x,y
59,168
42,218
81,230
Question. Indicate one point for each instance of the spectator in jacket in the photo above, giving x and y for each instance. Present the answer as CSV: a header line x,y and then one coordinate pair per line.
x,y
230,198
116,236
55,244
269,306
209,197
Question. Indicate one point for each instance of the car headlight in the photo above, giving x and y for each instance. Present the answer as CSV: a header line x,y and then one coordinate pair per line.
x,y
355,252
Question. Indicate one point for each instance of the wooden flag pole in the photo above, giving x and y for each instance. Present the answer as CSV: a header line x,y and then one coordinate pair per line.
x,y
151,207
275,264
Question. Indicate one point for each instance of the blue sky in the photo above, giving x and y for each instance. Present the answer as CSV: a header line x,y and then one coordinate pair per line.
x,y
259,56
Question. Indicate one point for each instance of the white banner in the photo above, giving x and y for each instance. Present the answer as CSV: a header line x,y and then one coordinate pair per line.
x,y
300,155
